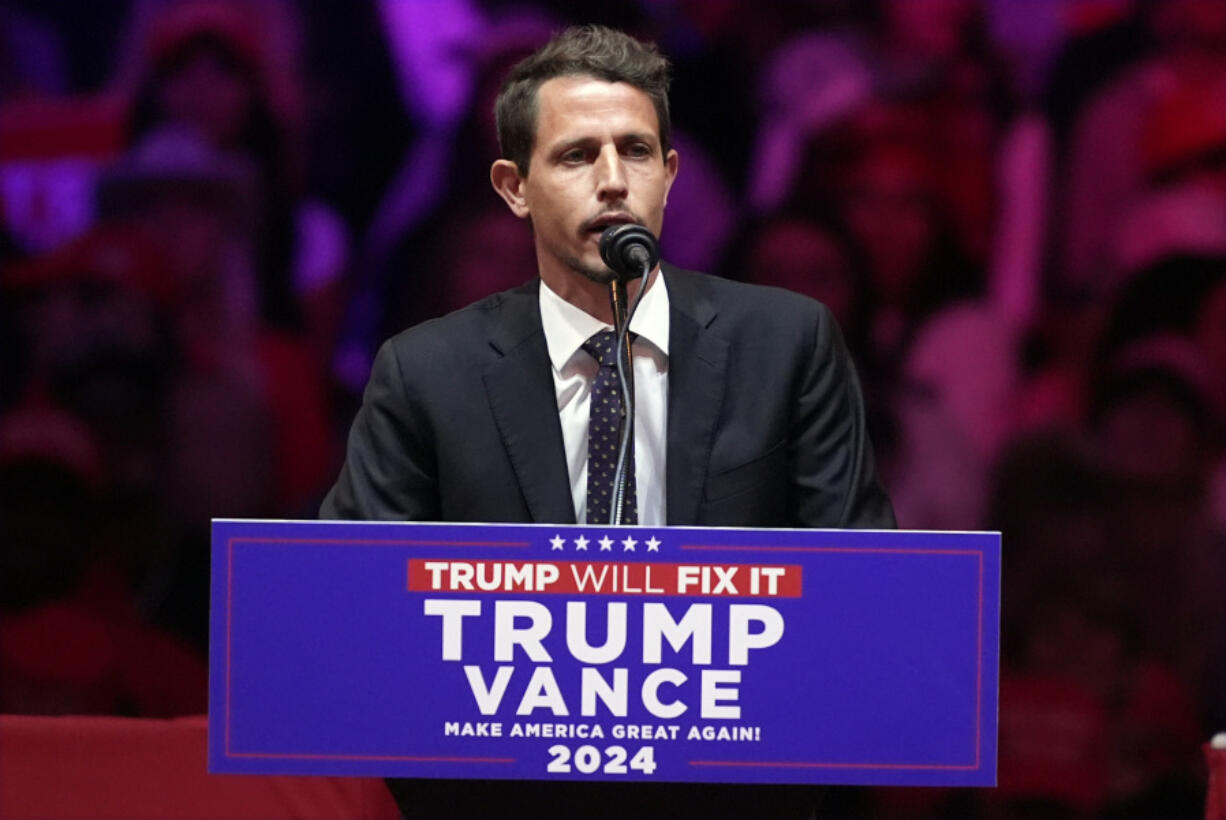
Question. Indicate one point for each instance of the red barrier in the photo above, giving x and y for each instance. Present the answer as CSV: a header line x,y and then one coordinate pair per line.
x,y
104,767
1215,756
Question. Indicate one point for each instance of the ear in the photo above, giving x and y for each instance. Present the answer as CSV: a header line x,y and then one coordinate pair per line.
x,y
504,176
671,164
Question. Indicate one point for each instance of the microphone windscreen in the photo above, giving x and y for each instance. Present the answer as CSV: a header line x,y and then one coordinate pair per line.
x,y
624,248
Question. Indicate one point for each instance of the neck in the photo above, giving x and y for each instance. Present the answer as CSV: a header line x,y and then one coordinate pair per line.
x,y
593,297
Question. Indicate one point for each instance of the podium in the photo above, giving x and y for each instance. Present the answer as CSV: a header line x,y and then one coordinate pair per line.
x,y
604,654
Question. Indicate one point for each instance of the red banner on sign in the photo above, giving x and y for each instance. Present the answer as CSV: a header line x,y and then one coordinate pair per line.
x,y
605,578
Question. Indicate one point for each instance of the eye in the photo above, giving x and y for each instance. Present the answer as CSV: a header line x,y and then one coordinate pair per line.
x,y
639,149
573,156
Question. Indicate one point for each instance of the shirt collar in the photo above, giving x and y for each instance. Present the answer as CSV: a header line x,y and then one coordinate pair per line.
x,y
567,327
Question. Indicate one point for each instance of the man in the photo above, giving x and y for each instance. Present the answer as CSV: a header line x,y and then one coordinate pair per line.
x,y
748,412
748,409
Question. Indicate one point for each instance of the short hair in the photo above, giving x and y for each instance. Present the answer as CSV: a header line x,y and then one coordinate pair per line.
x,y
598,51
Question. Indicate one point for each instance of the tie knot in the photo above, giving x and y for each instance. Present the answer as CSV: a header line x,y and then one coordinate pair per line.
x,y
603,347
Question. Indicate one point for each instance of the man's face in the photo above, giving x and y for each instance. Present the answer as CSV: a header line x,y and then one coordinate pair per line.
x,y
597,161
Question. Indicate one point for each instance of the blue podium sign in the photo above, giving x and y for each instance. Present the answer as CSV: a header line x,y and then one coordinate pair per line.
x,y
604,653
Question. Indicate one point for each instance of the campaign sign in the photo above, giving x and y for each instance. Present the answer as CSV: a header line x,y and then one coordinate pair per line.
x,y
604,653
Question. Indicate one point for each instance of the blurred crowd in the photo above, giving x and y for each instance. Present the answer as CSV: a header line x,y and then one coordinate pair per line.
x,y
212,212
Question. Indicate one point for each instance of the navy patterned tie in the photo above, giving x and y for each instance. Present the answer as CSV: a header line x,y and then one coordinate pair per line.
x,y
604,435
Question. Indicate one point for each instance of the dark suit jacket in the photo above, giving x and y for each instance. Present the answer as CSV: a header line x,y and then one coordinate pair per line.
x,y
765,429
765,418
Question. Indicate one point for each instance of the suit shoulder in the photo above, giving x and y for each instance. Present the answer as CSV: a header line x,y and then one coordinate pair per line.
x,y
463,334
740,299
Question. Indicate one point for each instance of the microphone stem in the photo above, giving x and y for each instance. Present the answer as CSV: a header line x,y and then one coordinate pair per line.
x,y
625,378
617,301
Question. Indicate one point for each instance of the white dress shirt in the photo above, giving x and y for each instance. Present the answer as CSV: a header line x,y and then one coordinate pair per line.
x,y
566,329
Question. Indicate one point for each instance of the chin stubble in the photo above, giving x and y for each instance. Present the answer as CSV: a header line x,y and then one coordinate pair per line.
x,y
602,275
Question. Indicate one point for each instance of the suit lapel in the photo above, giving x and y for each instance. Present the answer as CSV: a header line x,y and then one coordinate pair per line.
x,y
697,371
522,398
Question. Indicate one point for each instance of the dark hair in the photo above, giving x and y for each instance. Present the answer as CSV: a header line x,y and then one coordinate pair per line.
x,y
601,52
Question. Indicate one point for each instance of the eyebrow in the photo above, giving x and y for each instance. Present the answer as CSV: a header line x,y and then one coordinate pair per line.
x,y
636,136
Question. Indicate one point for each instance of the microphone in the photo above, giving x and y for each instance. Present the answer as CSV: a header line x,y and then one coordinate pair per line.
x,y
629,250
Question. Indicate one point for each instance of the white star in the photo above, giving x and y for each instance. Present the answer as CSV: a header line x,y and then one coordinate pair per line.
x,y
581,543
629,544
558,542
653,544
606,544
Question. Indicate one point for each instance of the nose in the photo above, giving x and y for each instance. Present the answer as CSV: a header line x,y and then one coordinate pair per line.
x,y
610,176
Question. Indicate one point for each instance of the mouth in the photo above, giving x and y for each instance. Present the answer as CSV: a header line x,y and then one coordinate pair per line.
x,y
597,224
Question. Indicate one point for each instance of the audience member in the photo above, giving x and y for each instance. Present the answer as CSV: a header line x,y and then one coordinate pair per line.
x,y
802,255
1144,126
955,403
210,66
201,205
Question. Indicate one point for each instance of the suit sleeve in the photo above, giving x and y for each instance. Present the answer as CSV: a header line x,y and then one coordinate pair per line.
x,y
390,468
834,480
